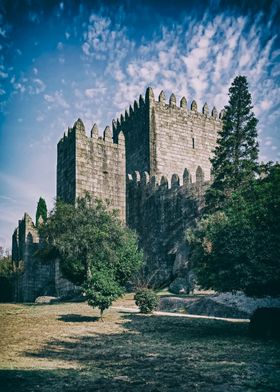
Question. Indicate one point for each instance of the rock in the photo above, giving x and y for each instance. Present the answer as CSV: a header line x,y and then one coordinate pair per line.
x,y
45,299
181,262
180,286
175,304
207,306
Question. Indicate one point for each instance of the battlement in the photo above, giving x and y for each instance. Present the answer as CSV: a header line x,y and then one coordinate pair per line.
x,y
172,104
164,138
78,130
154,183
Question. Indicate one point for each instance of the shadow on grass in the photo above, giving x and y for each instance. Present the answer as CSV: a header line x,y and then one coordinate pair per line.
x,y
158,353
77,318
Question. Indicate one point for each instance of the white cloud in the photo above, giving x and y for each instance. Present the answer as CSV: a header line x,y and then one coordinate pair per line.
x,y
36,86
57,99
3,75
103,40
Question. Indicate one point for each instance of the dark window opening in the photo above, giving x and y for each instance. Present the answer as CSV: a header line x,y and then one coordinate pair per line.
x,y
192,142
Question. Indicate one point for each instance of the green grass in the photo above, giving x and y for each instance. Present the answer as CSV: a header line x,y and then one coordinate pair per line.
x,y
64,347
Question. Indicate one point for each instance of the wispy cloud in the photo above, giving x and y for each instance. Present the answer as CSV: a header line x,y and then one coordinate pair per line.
x,y
57,99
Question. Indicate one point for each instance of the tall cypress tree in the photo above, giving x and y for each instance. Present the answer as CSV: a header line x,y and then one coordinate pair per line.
x,y
41,210
236,154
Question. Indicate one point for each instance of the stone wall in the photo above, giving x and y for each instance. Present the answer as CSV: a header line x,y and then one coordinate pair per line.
x,y
91,164
155,139
160,211
163,139
37,277
135,127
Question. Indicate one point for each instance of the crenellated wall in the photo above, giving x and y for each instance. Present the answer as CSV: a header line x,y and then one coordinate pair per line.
x,y
91,164
156,139
163,138
160,210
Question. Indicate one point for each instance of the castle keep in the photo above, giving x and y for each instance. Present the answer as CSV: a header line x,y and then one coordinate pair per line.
x,y
153,167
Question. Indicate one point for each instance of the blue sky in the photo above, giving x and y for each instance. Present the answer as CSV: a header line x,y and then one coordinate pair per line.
x,y
69,59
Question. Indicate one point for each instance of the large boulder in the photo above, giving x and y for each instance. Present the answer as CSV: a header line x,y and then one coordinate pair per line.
x,y
182,285
207,306
46,299
179,286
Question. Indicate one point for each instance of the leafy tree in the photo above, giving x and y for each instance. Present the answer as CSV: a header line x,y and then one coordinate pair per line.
x,y
102,289
236,154
95,248
41,211
238,248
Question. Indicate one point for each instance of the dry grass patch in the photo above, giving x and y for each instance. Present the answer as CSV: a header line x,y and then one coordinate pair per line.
x,y
65,347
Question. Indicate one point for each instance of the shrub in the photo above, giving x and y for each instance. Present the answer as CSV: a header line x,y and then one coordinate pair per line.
x,y
265,323
147,300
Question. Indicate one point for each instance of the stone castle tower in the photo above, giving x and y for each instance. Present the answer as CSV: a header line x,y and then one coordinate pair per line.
x,y
152,137
91,164
153,167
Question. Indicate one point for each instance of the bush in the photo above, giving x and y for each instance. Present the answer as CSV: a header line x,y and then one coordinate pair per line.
x,y
265,323
147,300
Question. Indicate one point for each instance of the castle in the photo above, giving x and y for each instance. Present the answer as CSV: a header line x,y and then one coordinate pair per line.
x,y
153,167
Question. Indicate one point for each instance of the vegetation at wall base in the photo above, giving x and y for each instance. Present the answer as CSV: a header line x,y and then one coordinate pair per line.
x,y
235,160
96,250
238,248
236,243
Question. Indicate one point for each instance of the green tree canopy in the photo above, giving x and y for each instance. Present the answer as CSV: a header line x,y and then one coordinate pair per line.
x,y
95,248
238,248
236,154
41,211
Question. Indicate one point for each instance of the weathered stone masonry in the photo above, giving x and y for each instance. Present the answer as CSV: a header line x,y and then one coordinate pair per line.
x,y
91,164
133,169
163,139
160,211
38,277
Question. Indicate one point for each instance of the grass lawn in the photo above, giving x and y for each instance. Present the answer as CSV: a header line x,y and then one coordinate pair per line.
x,y
64,347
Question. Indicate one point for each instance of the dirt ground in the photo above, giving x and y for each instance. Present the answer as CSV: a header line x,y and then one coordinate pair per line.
x,y
64,347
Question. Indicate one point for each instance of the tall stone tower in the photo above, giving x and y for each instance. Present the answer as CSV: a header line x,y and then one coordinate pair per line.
x,y
91,164
163,138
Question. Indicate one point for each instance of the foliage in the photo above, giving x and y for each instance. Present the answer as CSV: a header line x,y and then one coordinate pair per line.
x,y
265,323
41,211
6,277
102,289
236,154
92,244
147,300
238,248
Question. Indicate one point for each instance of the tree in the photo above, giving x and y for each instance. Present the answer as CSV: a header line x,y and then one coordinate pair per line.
x,y
238,248
96,250
236,154
102,289
41,211
6,276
